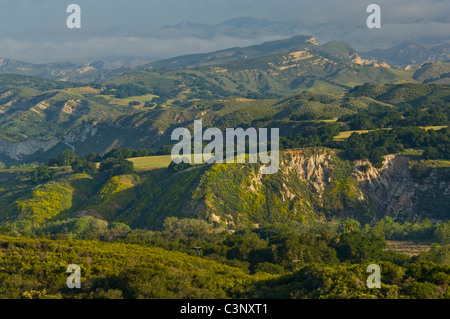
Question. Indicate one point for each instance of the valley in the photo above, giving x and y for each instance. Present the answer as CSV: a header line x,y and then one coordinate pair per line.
x,y
86,177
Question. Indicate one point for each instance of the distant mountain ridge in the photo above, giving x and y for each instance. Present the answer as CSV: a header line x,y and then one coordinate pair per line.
x,y
245,31
36,125
240,28
255,51
101,71
270,70
411,53
62,70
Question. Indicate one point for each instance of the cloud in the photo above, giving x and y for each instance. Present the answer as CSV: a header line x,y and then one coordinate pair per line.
x,y
117,46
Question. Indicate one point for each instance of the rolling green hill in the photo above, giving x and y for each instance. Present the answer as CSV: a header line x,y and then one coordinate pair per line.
x,y
35,268
433,72
411,53
65,70
38,124
330,68
311,184
41,109
85,178
268,48
145,272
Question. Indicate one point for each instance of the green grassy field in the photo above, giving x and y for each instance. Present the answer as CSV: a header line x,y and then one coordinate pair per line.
x,y
15,170
150,162
153,162
346,134
434,163
436,128
124,102
407,247
411,152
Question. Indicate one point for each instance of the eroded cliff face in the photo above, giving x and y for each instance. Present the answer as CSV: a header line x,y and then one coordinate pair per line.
x,y
311,184
310,166
395,192
17,150
91,137
316,184
20,150
81,133
391,189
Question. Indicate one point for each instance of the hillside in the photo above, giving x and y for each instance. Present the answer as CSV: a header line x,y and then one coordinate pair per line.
x,y
341,158
39,124
294,234
433,72
33,107
268,48
357,169
312,184
411,53
277,62
128,271
379,150
66,70
117,270
270,70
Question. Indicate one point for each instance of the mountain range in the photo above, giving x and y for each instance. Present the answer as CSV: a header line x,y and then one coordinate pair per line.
x,y
240,28
39,116
87,176
411,54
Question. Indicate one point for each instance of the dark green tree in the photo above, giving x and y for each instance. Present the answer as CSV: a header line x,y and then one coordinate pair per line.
x,y
42,174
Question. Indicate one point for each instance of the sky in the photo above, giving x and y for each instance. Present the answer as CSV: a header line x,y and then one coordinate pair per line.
x,y
36,30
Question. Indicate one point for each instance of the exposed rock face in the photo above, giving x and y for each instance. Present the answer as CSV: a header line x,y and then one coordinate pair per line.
x,y
391,189
17,150
375,63
396,193
305,185
310,167
312,40
93,137
317,184
70,106
81,133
